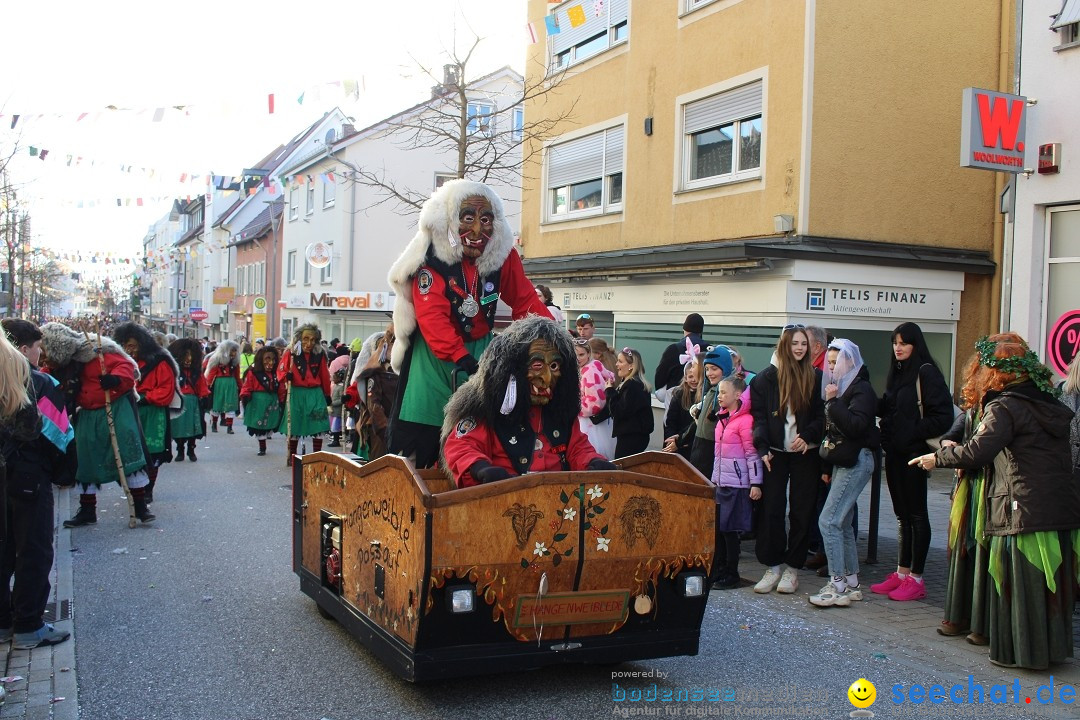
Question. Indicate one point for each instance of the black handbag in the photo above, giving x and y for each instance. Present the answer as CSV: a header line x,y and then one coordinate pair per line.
x,y
836,449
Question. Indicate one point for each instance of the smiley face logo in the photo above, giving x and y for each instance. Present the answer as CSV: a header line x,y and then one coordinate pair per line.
x,y
862,693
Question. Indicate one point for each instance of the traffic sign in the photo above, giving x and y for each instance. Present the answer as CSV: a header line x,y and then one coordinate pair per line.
x,y
183,294
198,314
1063,342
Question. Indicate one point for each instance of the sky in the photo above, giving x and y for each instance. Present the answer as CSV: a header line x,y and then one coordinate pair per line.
x,y
218,60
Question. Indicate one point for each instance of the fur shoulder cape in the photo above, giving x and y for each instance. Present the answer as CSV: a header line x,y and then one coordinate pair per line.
x,y
438,224
64,346
151,351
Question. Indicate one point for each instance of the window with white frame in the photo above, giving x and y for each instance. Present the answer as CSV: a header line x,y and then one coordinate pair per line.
x,y
481,118
1062,262
249,276
326,274
329,192
722,137
695,4
598,33
443,178
240,281
294,203
585,175
310,196
307,272
290,268
518,128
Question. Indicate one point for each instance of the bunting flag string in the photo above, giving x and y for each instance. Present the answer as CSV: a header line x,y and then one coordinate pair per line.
x,y
344,89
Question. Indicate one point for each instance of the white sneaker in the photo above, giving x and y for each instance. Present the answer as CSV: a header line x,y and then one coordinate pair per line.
x,y
852,594
768,582
828,596
789,582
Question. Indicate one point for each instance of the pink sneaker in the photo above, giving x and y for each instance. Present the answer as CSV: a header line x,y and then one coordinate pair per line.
x,y
887,585
910,589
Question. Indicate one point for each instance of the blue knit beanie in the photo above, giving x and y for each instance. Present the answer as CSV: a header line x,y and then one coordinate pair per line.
x,y
721,358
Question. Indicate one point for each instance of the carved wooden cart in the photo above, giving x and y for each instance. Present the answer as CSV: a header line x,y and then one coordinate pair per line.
x,y
547,568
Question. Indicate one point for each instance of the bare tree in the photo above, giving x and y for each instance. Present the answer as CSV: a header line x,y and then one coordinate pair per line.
x,y
490,146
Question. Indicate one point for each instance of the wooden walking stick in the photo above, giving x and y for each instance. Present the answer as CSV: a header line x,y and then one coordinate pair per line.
x,y
112,431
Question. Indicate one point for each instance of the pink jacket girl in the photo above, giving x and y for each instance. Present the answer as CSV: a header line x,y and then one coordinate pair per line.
x,y
594,378
736,462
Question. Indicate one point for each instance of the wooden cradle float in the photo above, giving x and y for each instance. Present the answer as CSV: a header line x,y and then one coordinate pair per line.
x,y
560,567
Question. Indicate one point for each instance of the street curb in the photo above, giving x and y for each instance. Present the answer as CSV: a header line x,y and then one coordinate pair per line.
x,y
65,682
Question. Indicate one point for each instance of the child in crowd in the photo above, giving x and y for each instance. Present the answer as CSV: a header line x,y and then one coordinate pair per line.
x,y
717,367
592,421
337,395
737,474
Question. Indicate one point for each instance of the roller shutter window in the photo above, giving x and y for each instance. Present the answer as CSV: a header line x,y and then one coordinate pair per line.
x,y
598,33
723,135
584,175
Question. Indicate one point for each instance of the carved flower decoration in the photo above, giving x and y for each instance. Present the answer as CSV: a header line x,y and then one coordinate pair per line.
x,y
602,544
595,491
541,549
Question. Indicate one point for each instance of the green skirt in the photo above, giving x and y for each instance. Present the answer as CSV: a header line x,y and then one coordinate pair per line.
x,y
431,381
969,557
155,427
188,424
263,412
309,414
1029,625
97,463
226,396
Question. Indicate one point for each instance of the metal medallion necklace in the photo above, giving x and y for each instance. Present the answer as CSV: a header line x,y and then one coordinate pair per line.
x,y
469,306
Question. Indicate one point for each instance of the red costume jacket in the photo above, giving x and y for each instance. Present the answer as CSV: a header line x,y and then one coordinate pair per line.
x,y
252,385
433,310
91,396
314,373
200,389
157,386
219,371
470,442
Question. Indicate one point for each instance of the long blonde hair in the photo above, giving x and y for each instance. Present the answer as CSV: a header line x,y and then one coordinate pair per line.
x,y
637,367
795,377
692,395
1072,377
14,379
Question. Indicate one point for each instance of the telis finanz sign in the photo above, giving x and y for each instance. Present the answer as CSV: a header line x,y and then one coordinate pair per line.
x,y
992,131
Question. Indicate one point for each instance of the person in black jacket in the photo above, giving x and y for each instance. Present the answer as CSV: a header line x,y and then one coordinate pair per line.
x,y
34,456
788,411
630,404
850,406
916,406
669,370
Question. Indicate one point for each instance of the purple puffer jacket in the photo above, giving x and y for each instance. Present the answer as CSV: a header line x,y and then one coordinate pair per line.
x,y
736,462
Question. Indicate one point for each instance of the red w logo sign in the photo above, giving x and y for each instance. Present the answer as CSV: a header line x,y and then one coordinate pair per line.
x,y
1002,120
993,128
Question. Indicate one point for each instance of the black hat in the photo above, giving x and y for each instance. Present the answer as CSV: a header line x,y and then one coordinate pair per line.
x,y
694,323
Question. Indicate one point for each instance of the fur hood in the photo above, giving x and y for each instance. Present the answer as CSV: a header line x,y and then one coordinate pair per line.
x,y
296,349
151,351
506,361
438,224
220,356
178,348
63,346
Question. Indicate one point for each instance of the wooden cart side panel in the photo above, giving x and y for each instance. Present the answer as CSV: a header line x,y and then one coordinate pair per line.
x,y
383,538
636,535
666,465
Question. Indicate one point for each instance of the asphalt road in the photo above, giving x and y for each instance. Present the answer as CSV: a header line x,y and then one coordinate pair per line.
x,y
200,616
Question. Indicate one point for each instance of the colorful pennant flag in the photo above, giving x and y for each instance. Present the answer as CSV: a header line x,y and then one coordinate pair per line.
x,y
270,99
531,29
577,16
552,24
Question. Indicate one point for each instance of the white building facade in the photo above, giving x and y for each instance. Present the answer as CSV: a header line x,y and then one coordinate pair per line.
x,y
1044,303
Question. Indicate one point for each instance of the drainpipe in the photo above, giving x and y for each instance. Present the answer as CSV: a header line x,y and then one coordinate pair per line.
x,y
1007,230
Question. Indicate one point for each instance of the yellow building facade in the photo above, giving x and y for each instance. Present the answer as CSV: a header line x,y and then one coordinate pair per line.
x,y
764,162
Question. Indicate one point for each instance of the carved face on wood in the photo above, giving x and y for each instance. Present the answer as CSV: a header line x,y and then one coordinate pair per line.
x,y
640,518
545,369
523,520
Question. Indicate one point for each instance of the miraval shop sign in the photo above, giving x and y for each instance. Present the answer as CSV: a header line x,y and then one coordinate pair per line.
x,y
808,298
993,129
341,301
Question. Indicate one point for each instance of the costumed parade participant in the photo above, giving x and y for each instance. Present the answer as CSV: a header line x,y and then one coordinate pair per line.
x,y
188,426
304,377
492,432
99,372
262,408
223,378
370,395
448,281
158,374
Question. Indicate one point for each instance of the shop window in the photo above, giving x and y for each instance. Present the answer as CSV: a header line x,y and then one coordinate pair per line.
x,y
1063,262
